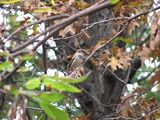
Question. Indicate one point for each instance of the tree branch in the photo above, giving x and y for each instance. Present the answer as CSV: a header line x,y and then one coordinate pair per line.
x,y
13,71
58,26
37,22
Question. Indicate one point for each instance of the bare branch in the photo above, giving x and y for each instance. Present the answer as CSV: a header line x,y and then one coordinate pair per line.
x,y
58,26
147,75
37,22
148,114
13,71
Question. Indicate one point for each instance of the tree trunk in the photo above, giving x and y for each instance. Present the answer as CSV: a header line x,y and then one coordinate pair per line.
x,y
101,91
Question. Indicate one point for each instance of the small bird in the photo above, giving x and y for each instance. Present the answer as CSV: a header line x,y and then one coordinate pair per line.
x,y
76,60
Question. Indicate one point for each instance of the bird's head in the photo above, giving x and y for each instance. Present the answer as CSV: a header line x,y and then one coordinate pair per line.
x,y
82,51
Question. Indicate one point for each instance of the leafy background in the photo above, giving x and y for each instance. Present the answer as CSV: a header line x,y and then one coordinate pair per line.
x,y
39,38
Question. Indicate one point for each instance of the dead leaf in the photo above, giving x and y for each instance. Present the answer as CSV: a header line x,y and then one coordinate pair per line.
x,y
99,44
12,111
155,32
83,117
123,57
144,53
114,63
132,25
67,29
35,30
95,63
155,78
104,57
71,2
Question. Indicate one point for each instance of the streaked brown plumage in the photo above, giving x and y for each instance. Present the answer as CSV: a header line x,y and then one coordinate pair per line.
x,y
76,61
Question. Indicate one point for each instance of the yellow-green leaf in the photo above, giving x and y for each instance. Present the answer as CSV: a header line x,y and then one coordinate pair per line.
x,y
27,57
6,65
9,1
113,1
42,10
33,83
4,54
27,93
61,86
51,97
23,69
74,80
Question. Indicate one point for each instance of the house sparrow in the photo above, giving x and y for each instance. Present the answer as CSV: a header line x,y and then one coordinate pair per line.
x,y
76,61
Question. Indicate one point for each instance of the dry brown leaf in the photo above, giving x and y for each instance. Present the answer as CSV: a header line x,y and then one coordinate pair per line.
x,y
155,32
144,53
99,44
153,24
71,2
155,78
83,117
132,25
104,56
123,57
12,111
95,63
118,6
114,63
66,30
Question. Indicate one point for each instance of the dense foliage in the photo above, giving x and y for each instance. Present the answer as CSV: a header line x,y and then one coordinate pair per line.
x,y
38,39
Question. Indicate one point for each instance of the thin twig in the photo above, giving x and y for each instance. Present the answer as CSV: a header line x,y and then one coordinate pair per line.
x,y
37,22
115,75
32,108
58,26
147,75
140,118
95,50
125,26
13,71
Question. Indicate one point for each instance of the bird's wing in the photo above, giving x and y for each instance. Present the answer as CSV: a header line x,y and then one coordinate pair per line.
x,y
69,65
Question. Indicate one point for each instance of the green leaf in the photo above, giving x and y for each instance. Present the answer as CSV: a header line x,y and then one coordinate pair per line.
x,y
53,112
61,86
55,77
14,90
74,80
23,69
27,93
51,97
33,83
9,1
130,40
28,57
150,95
4,54
6,65
11,88
153,95
114,40
113,1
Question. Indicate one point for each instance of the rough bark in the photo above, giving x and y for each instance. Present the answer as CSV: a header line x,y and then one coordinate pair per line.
x,y
102,90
